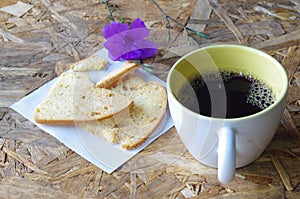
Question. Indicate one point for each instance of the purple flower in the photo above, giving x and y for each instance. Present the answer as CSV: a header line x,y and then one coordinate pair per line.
x,y
123,42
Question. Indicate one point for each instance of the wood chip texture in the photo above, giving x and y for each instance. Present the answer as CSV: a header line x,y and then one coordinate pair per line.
x,y
40,43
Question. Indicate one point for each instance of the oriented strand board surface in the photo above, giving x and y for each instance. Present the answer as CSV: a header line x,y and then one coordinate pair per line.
x,y
42,43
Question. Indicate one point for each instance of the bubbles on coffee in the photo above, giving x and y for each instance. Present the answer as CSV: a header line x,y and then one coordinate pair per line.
x,y
245,94
260,95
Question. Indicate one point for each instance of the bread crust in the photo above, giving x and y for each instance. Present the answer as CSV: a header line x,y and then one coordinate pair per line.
x,y
112,78
150,128
133,126
75,98
93,62
139,106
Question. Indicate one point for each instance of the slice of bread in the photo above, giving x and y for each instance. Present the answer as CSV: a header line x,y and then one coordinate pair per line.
x,y
107,128
93,62
128,84
133,125
75,98
112,78
147,111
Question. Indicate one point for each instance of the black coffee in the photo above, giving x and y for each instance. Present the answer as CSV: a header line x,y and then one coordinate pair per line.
x,y
225,95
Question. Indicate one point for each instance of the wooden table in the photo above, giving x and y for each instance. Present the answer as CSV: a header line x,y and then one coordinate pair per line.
x,y
41,43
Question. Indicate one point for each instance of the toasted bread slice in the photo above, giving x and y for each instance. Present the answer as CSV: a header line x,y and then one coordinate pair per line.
x,y
112,78
75,98
93,62
132,126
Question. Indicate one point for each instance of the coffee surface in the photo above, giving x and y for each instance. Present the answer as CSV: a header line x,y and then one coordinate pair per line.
x,y
225,95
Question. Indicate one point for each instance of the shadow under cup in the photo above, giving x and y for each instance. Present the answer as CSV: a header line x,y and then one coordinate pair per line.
x,y
253,132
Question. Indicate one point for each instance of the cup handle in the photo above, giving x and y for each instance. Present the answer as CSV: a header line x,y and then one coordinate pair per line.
x,y
226,155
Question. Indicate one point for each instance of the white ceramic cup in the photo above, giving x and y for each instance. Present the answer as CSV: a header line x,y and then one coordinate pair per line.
x,y
227,144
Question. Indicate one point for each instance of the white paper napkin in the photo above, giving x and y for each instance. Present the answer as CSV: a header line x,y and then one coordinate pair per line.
x,y
96,150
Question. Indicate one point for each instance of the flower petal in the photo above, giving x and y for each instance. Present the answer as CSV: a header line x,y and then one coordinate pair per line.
x,y
113,28
145,47
139,54
139,25
132,55
137,33
139,49
115,48
128,43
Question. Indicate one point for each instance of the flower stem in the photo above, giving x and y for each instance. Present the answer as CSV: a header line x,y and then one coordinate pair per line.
x,y
168,18
122,20
146,67
110,11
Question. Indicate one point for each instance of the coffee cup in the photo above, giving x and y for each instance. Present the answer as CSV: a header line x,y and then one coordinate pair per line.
x,y
221,142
